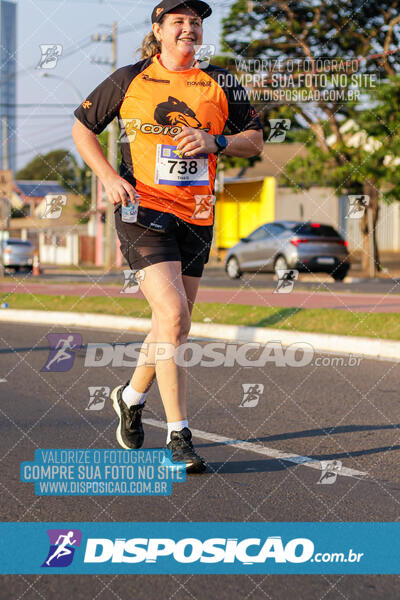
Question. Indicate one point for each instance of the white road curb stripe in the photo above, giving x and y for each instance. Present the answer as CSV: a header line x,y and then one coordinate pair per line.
x,y
321,342
306,461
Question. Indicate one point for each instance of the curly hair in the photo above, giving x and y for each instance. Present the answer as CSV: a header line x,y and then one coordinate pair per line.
x,y
150,46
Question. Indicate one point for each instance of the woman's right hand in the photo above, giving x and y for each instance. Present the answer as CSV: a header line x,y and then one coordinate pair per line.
x,y
119,190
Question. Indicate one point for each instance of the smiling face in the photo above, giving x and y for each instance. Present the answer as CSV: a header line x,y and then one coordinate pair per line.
x,y
179,32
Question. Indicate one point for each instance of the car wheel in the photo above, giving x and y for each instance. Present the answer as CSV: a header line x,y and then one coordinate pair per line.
x,y
233,268
16,269
339,274
280,264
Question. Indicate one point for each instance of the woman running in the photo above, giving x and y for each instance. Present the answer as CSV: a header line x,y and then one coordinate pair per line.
x,y
172,111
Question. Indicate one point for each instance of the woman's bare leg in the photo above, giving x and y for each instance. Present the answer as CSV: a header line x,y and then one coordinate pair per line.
x,y
145,371
164,290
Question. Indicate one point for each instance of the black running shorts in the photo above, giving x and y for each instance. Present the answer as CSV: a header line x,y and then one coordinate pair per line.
x,y
190,244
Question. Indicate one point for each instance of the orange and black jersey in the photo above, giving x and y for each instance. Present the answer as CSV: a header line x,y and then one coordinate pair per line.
x,y
152,105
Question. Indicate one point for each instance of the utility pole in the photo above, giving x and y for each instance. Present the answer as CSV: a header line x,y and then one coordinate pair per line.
x,y
110,249
5,195
5,190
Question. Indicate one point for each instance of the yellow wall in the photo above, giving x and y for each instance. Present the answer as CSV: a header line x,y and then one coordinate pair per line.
x,y
241,208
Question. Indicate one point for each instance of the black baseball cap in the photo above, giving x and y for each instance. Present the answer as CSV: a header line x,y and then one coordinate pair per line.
x,y
166,6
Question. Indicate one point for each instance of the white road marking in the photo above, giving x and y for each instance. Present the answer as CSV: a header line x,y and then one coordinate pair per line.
x,y
3,380
306,461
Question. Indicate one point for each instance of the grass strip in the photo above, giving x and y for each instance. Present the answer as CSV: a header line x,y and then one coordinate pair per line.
x,y
319,320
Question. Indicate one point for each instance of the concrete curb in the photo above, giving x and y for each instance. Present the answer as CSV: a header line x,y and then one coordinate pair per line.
x,y
338,344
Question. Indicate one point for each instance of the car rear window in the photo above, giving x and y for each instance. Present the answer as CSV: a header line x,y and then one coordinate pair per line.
x,y
315,230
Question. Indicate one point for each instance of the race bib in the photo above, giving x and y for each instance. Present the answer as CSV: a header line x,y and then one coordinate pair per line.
x,y
172,169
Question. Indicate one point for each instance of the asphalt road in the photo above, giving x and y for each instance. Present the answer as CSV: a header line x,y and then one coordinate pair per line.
x,y
333,412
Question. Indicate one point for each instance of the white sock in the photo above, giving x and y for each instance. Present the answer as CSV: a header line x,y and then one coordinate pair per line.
x,y
131,397
175,426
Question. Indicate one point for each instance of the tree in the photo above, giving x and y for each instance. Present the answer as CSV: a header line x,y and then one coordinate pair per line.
x,y
62,166
58,165
301,34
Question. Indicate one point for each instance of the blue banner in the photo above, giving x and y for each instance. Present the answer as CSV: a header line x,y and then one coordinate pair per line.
x,y
76,472
199,548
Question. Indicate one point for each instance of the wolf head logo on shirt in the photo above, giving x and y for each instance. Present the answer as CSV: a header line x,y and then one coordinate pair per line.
x,y
176,112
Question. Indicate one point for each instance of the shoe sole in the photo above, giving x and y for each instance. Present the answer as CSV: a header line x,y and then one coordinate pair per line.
x,y
117,410
194,467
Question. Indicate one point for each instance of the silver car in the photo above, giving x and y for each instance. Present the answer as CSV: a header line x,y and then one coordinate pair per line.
x,y
305,246
16,254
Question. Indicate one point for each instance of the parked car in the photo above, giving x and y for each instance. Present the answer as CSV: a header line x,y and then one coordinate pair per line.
x,y
16,254
305,246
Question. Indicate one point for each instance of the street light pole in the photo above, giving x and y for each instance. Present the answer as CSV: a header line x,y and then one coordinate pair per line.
x,y
110,249
68,82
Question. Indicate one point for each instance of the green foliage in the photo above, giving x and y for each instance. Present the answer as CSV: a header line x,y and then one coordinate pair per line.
x,y
371,146
341,29
62,166
57,165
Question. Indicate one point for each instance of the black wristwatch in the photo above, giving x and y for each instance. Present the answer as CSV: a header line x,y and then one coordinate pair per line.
x,y
221,142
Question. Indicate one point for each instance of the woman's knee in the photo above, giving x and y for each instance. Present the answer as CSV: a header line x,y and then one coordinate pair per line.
x,y
173,322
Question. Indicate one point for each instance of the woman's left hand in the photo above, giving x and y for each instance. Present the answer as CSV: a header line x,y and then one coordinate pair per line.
x,y
195,141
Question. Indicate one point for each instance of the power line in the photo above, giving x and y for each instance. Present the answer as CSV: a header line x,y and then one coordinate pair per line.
x,y
60,116
84,43
36,105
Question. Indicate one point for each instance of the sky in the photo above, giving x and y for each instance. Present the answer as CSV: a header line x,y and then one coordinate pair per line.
x,y
71,24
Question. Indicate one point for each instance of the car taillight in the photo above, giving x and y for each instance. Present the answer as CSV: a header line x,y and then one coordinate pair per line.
x,y
315,225
343,243
296,242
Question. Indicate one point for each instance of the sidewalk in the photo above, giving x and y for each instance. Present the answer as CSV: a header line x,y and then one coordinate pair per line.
x,y
355,302
308,342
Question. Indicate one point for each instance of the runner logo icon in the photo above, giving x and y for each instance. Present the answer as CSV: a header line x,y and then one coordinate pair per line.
x,y
98,397
286,279
62,547
330,470
204,206
54,205
279,128
62,353
251,394
357,206
50,55
203,54
132,282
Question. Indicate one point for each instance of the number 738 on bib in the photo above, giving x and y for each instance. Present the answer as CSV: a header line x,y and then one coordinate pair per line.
x,y
173,169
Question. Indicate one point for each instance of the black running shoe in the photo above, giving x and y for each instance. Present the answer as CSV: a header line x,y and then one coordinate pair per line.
x,y
130,434
182,451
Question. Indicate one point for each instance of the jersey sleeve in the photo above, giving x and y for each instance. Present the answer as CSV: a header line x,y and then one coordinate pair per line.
x,y
242,115
102,105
